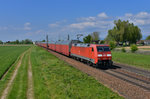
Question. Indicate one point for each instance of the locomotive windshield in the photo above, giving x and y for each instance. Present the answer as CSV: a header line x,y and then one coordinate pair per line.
x,y
103,48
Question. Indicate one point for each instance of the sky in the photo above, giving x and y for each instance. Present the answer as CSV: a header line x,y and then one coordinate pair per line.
x,y
34,19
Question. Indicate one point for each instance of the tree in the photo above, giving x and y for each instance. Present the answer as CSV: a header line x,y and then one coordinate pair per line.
x,y
102,42
43,40
95,36
22,42
148,37
87,39
1,42
124,31
112,45
28,41
17,42
91,38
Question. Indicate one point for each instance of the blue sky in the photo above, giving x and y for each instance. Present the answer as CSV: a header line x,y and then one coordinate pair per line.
x,y
33,19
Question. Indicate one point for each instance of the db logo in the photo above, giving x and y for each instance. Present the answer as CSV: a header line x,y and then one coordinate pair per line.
x,y
104,55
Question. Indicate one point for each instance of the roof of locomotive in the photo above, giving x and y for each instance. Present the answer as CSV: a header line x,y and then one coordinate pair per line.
x,y
88,45
63,42
99,44
81,44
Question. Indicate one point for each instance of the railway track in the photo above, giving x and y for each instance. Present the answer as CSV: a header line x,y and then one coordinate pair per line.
x,y
125,80
143,72
142,83
131,75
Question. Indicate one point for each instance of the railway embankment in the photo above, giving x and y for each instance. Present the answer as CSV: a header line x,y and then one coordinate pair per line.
x,y
126,83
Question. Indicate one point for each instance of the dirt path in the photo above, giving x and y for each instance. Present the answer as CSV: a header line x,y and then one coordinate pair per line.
x,y
8,87
30,93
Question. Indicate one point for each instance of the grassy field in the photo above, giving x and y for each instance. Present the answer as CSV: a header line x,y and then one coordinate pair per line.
x,y
55,79
8,55
138,60
144,48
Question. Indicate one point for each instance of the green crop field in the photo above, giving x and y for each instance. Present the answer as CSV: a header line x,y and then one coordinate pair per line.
x,y
138,60
8,55
55,79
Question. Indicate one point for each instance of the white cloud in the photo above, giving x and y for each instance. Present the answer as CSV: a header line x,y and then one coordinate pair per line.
x,y
143,15
102,23
128,15
87,18
97,22
3,28
139,22
53,25
27,26
82,25
56,24
37,32
140,19
102,15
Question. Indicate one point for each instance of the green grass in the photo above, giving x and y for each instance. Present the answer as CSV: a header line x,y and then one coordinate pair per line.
x,y
8,55
144,48
55,79
138,60
20,84
5,80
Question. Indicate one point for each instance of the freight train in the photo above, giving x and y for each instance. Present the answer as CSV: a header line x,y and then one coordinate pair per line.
x,y
93,54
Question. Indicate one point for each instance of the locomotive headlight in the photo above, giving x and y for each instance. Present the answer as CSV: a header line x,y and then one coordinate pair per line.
x,y
100,55
108,54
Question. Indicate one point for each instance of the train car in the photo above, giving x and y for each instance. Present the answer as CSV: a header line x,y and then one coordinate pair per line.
x,y
63,47
42,44
51,45
94,54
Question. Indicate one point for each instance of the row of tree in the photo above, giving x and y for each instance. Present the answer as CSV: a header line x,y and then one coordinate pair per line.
x,y
92,38
148,37
123,32
26,41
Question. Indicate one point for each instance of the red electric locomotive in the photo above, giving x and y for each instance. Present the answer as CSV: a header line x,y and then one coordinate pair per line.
x,y
94,54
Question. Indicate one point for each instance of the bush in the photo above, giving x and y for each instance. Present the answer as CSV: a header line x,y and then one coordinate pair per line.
x,y
123,49
133,48
112,45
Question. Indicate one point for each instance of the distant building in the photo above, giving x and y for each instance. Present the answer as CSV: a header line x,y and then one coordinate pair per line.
x,y
147,42
143,42
34,43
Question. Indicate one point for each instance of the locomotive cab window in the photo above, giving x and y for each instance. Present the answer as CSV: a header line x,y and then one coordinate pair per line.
x,y
106,49
92,50
101,49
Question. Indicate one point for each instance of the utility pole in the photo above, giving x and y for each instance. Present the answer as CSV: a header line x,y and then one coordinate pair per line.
x,y
47,41
68,37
